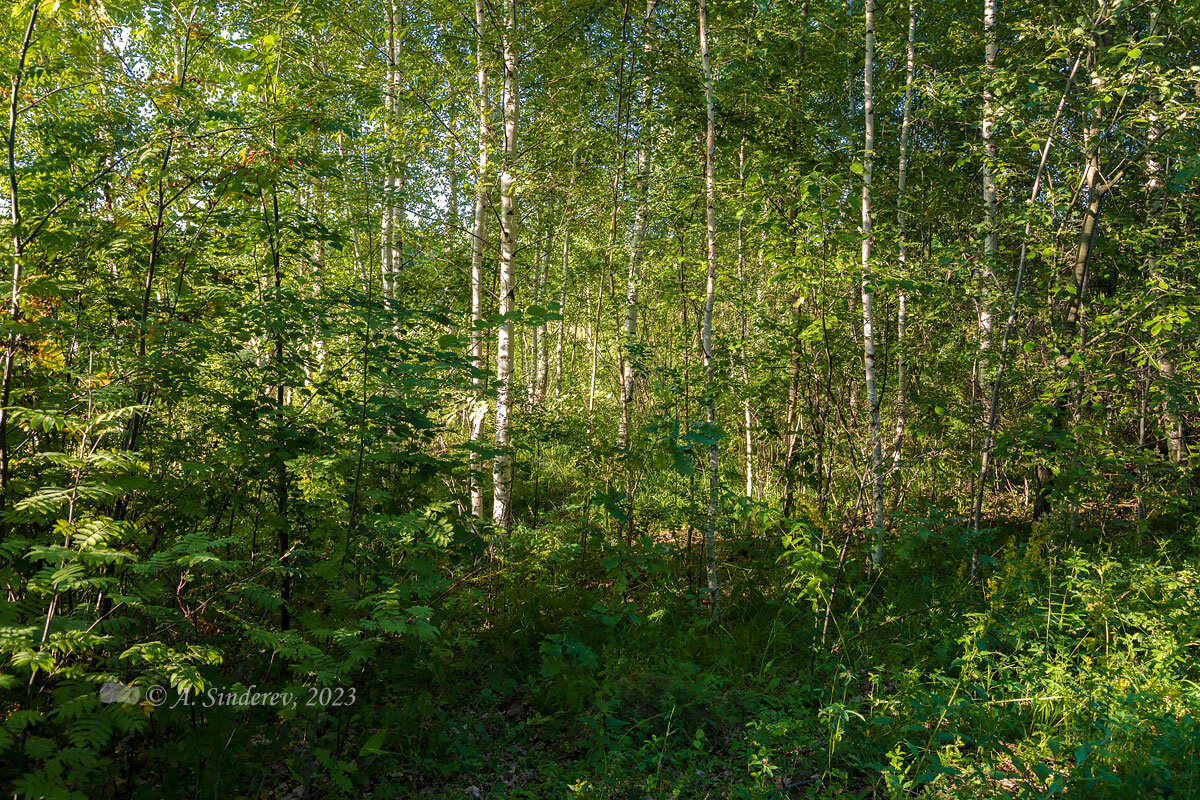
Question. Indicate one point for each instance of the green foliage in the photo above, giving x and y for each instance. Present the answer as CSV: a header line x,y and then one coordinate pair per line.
x,y
237,455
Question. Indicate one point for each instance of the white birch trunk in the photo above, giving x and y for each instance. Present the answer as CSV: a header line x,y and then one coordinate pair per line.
x,y
562,292
479,407
902,313
714,477
867,288
542,356
991,236
1172,421
741,266
994,405
502,467
392,214
641,211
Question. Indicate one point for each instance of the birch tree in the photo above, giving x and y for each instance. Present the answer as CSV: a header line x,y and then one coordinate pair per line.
x,y
391,212
991,235
706,335
1172,421
502,466
994,406
741,273
641,211
566,260
478,246
902,256
868,288
14,213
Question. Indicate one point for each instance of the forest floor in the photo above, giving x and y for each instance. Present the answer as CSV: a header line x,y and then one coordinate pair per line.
x,y
1076,677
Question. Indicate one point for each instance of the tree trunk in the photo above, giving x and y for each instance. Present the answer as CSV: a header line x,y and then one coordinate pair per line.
x,y
1042,472
502,467
479,234
162,202
991,236
392,214
562,292
741,262
902,313
541,357
14,212
868,290
1143,411
452,220
1172,421
607,268
714,477
1073,325
531,339
282,488
594,337
641,211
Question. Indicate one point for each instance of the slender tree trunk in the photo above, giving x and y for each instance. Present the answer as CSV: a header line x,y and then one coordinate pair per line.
x,y
138,418
536,343
282,489
617,180
993,408
502,467
741,262
991,240
1143,410
14,213
594,336
315,285
452,220
795,351
385,212
541,357
392,213
641,211
1075,326
1097,190
479,235
562,292
792,435
991,235
868,289
902,313
1172,420
714,476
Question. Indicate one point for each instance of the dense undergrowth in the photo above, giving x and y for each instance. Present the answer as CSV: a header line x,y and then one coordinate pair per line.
x,y
375,377
573,655
578,665
1074,678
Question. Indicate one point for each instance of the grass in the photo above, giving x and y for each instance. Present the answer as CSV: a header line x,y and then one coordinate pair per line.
x,y
1075,677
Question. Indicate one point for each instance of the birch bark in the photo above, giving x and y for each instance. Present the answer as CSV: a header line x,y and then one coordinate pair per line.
x,y
714,477
641,211
868,290
479,235
502,466
901,197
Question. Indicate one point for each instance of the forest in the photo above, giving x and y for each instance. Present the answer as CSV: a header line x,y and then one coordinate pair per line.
x,y
600,399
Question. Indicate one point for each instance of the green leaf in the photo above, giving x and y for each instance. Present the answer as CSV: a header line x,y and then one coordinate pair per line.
x,y
374,744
